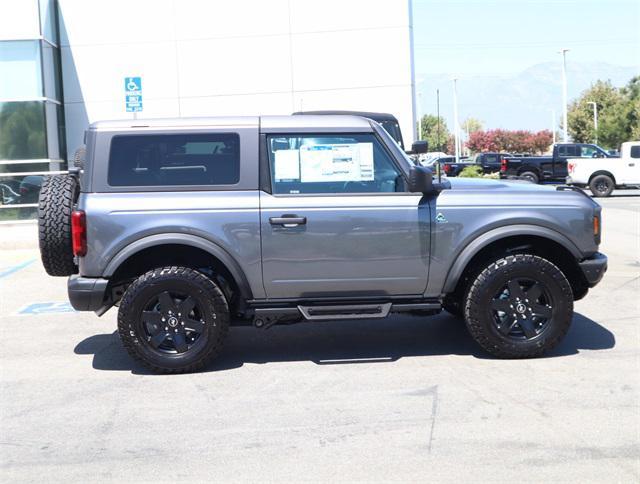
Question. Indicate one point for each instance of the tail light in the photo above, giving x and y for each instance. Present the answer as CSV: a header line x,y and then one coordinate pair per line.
x,y
79,233
570,167
503,165
447,168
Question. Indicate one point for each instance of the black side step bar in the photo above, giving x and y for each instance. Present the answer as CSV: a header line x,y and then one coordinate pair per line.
x,y
265,317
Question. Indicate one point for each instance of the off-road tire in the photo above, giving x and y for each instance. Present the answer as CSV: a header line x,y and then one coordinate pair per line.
x,y
531,176
79,157
55,204
479,316
191,283
601,185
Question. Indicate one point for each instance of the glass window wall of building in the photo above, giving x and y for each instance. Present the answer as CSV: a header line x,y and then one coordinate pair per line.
x,y
31,114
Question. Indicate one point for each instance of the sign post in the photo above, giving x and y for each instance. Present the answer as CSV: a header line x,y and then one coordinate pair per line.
x,y
133,94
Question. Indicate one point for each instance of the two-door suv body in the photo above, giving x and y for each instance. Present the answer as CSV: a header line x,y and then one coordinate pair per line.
x,y
192,225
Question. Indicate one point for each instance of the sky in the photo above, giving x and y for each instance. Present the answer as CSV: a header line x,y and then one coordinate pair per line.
x,y
506,36
505,55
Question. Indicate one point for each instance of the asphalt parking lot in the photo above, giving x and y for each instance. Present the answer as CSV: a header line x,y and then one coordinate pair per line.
x,y
406,399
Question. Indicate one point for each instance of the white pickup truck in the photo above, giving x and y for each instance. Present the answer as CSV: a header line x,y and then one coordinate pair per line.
x,y
602,175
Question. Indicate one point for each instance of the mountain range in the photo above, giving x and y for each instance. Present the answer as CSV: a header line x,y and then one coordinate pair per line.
x,y
524,100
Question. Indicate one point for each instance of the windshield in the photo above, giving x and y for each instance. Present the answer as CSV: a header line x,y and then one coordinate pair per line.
x,y
401,156
393,129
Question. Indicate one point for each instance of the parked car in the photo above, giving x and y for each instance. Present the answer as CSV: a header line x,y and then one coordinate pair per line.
x,y
29,188
602,176
192,225
549,168
488,162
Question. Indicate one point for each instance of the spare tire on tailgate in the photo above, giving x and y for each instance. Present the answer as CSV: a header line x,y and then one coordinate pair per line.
x,y
57,196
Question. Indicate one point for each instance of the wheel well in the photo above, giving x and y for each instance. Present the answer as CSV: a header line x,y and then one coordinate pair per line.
x,y
530,244
525,169
602,172
177,255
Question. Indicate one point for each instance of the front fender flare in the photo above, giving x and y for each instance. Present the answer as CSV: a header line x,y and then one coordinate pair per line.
x,y
182,239
496,234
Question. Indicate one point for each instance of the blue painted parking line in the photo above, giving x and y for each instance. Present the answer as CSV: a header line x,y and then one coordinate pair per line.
x,y
7,271
47,308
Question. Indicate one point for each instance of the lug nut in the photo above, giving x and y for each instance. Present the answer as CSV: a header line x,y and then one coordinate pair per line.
x,y
166,328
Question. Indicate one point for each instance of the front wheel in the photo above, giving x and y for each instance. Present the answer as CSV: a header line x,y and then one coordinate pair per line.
x,y
519,306
173,320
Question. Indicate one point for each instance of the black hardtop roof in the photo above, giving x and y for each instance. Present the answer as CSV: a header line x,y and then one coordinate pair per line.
x,y
364,114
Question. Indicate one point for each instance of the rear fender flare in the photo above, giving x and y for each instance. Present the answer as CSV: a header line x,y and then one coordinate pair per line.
x,y
182,239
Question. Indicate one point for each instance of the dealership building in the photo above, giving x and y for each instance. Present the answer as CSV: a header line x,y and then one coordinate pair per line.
x,y
67,63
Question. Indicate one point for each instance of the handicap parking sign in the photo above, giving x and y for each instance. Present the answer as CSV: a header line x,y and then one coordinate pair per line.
x,y
133,94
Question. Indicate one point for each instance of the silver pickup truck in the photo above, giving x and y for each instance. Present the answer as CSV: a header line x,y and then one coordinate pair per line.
x,y
193,225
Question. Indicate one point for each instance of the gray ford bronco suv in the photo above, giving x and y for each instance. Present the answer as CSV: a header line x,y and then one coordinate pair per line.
x,y
192,225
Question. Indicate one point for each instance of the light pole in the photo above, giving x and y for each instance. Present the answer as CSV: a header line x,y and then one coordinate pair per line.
x,y
419,115
438,114
595,117
455,118
564,95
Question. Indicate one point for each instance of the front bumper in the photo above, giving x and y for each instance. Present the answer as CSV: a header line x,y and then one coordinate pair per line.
x,y
594,268
86,293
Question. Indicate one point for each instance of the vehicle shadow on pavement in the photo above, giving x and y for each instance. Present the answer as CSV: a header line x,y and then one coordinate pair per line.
x,y
346,342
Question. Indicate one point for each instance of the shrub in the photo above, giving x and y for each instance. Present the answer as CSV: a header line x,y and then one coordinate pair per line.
x,y
471,172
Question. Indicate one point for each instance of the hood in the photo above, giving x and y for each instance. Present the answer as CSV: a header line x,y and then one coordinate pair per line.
x,y
458,183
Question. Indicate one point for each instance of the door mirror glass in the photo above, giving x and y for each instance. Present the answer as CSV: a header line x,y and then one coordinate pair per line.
x,y
420,179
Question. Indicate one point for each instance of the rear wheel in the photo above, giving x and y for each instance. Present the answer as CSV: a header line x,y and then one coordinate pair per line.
x,y
173,320
55,204
601,186
530,176
519,306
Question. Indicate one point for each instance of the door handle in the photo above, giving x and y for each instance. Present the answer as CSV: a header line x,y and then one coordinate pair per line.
x,y
288,220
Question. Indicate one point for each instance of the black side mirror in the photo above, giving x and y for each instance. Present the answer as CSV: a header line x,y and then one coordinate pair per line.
x,y
420,179
419,147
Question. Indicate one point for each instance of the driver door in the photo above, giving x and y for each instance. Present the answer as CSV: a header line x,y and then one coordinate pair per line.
x,y
339,221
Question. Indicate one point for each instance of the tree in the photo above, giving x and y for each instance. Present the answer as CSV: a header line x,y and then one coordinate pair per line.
x,y
511,141
471,125
618,114
436,136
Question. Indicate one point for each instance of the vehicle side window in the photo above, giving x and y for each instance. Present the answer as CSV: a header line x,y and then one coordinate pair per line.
x,y
587,151
571,151
491,159
635,152
174,159
340,163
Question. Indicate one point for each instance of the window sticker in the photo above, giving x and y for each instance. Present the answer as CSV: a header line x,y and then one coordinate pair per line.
x,y
336,162
287,165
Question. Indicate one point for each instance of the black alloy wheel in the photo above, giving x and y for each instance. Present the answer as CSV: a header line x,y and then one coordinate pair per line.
x,y
522,308
173,323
